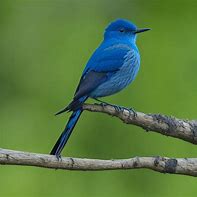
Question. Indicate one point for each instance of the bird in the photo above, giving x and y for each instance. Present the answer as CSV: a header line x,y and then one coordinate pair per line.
x,y
111,68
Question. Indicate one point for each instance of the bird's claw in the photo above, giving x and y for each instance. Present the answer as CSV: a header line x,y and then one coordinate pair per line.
x,y
118,108
121,109
59,157
130,110
133,112
103,104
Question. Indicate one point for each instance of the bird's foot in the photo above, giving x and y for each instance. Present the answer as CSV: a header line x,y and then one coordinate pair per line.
x,y
118,108
121,109
59,157
131,110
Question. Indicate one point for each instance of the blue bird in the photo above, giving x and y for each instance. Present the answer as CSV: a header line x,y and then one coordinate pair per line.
x,y
112,67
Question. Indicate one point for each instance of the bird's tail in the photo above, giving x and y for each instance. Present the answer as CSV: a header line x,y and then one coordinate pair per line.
x,y
68,129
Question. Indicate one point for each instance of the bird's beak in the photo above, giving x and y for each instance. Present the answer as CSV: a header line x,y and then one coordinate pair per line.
x,y
142,30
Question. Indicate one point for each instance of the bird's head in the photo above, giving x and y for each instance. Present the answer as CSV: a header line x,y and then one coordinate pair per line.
x,y
122,28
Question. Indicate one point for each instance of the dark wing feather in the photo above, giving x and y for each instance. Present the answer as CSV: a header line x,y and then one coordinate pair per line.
x,y
89,82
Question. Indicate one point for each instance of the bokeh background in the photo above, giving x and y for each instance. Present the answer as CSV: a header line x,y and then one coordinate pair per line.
x,y
44,46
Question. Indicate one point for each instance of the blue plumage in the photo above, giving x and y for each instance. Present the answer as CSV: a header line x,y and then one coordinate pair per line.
x,y
112,67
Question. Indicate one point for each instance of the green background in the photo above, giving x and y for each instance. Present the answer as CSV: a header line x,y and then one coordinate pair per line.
x,y
44,46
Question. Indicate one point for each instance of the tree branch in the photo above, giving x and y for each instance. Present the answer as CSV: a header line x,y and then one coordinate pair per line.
x,y
170,126
166,125
181,166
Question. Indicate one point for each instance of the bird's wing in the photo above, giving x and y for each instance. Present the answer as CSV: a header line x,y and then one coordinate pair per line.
x,y
108,58
89,82
101,66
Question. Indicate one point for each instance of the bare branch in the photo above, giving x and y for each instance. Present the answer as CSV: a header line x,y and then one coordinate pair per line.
x,y
170,126
181,166
166,125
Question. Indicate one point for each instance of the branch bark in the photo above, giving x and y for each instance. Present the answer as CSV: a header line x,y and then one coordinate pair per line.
x,y
183,166
170,126
166,125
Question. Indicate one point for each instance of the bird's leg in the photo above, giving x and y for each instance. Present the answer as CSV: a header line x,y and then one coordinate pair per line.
x,y
103,103
117,107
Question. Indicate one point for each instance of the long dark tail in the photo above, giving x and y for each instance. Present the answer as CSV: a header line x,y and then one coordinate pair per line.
x,y
68,130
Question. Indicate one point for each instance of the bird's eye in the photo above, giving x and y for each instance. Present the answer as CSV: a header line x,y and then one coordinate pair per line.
x,y
122,30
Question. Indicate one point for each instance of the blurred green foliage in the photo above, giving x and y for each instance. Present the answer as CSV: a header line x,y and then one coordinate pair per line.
x,y
44,46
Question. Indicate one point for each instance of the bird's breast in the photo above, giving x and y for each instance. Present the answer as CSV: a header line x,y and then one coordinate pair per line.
x,y
120,79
